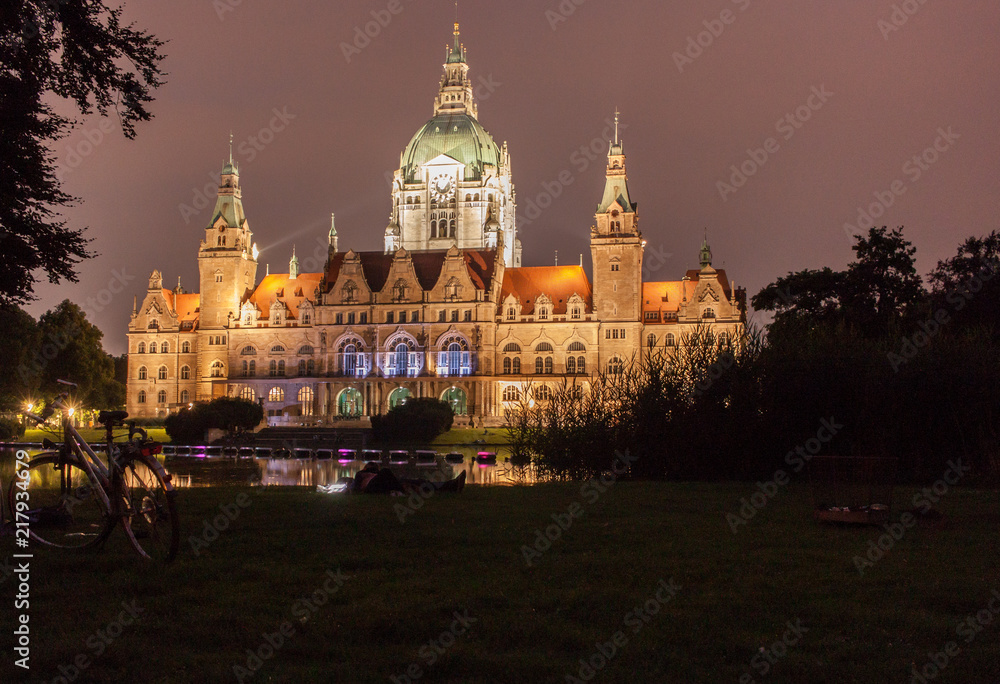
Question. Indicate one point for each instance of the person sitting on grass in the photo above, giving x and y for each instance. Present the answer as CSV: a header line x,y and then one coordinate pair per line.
x,y
373,480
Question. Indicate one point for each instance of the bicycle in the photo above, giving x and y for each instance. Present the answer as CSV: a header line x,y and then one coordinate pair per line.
x,y
75,499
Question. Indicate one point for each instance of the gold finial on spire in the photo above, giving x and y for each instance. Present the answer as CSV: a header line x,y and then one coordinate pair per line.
x,y
616,125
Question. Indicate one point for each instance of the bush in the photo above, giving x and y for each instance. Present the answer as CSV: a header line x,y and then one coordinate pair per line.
x,y
10,428
418,420
225,413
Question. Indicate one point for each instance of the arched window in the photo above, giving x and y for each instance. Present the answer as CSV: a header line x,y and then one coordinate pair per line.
x,y
141,349
571,364
141,398
302,367
401,360
651,340
539,365
248,350
506,365
142,372
511,393
434,225
306,400
164,348
217,369
348,360
306,350
350,403
616,366
185,396
249,369
185,373
516,366
185,347
248,394
455,357
709,313
399,396
511,313
310,367
276,394
581,364
277,349
152,347
161,373
709,338
574,313
457,399
577,347
161,397
512,348
543,393
548,365
543,347
670,341
281,368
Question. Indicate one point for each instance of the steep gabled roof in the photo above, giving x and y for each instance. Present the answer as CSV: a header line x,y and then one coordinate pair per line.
x,y
375,266
559,283
291,291
186,304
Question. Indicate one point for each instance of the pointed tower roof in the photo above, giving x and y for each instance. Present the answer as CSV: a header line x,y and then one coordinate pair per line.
x,y
457,54
229,205
616,184
293,265
705,258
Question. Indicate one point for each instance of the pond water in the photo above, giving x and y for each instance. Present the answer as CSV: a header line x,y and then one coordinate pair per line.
x,y
203,471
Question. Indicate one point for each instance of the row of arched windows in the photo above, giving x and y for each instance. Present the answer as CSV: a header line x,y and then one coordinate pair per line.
x,y
163,348
161,397
161,373
443,226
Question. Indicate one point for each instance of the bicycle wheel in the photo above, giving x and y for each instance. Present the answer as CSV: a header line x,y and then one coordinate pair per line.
x,y
150,510
71,518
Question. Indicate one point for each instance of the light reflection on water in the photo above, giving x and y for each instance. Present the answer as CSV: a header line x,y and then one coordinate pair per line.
x,y
187,471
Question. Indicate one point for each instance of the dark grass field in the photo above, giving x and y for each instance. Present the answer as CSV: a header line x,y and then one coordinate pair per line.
x,y
405,581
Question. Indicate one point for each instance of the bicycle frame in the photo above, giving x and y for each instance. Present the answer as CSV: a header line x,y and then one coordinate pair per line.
x,y
98,474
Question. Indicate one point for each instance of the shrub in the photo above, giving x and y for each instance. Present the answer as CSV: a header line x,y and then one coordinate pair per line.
x,y
225,413
418,420
10,428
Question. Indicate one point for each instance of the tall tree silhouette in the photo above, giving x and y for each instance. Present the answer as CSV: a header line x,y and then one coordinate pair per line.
x,y
77,51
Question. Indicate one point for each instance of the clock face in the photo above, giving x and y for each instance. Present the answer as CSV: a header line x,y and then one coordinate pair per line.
x,y
441,187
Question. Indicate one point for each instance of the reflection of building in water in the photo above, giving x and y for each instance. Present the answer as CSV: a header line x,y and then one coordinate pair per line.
x,y
445,310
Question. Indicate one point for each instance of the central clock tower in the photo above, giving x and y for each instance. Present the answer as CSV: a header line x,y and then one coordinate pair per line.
x,y
453,186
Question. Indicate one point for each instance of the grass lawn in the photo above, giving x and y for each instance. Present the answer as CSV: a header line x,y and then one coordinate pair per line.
x,y
92,435
396,609
493,436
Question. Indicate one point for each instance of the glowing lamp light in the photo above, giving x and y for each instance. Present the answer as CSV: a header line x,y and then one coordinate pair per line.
x,y
255,251
72,411
29,407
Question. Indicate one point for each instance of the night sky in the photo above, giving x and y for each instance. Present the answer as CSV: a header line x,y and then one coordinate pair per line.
x,y
880,93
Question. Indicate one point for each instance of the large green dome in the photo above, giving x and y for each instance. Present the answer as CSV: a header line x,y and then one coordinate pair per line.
x,y
460,137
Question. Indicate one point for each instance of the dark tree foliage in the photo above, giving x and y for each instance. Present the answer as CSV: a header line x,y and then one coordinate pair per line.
x,y
417,420
70,349
968,285
76,51
875,292
19,338
232,414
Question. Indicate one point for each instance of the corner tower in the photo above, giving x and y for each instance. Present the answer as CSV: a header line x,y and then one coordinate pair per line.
x,y
453,186
227,257
616,245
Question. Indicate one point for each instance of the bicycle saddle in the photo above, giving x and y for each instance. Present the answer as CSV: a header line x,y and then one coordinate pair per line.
x,y
106,417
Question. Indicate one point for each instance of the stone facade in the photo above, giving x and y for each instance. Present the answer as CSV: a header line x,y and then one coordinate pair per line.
x,y
444,311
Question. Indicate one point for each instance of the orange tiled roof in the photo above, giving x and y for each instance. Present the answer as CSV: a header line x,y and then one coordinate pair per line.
x,y
291,291
186,305
559,283
667,296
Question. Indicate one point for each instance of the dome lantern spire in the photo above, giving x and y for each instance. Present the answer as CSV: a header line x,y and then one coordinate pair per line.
x,y
455,96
